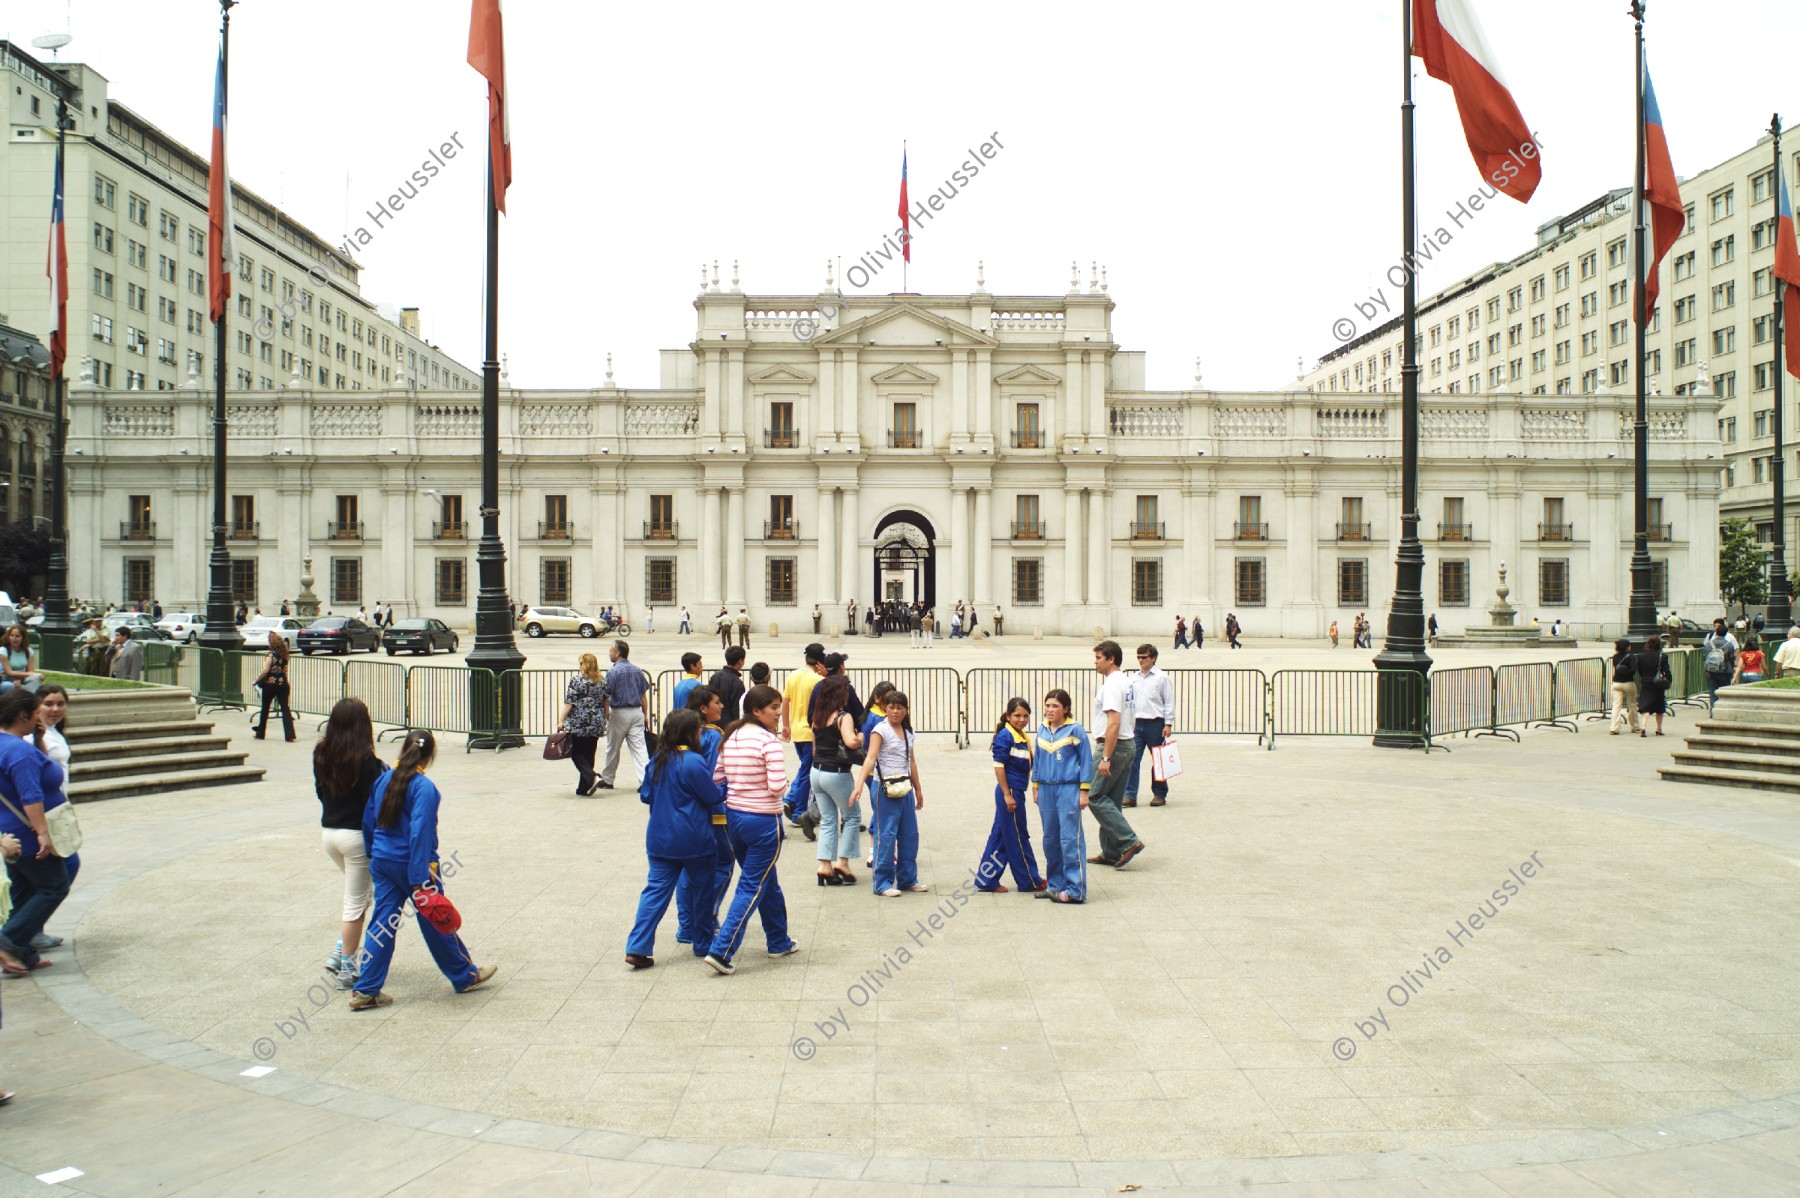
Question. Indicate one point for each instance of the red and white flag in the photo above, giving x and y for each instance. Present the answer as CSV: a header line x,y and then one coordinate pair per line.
x,y
1787,275
487,54
221,249
905,210
1448,39
57,269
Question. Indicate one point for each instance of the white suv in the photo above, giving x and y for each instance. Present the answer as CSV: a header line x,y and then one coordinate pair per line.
x,y
182,626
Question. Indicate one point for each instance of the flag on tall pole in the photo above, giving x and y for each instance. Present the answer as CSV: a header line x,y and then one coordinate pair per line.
x,y
905,210
57,269
1787,275
1447,37
487,54
1667,217
221,253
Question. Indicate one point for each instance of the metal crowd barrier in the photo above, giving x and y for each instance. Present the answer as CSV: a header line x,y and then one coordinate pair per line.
x,y
985,692
440,698
1525,694
1221,703
381,685
1580,688
935,692
221,680
1343,702
315,684
540,698
162,664
1462,700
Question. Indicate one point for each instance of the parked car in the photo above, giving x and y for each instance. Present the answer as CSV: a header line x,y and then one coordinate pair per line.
x,y
337,634
133,620
183,626
420,636
256,632
538,621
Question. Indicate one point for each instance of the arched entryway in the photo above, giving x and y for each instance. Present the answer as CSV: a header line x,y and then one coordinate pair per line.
x,y
905,558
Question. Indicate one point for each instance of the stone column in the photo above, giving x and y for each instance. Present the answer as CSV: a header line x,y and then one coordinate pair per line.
x,y
825,533
959,542
1071,534
851,562
1197,545
608,531
1300,611
982,544
1099,546
737,533
710,545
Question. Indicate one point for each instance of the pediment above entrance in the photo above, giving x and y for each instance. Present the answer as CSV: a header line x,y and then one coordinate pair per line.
x,y
907,325
782,374
906,374
1027,376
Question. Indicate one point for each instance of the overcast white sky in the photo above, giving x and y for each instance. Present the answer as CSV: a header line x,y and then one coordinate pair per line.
x,y
1236,166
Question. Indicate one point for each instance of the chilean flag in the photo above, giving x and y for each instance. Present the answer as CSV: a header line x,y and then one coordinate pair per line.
x,y
905,211
1667,217
221,252
487,54
57,269
1448,38
1787,271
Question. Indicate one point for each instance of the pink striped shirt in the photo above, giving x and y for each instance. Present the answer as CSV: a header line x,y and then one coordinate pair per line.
x,y
753,766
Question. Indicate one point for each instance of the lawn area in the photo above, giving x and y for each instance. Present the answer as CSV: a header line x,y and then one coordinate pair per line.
x,y
88,682
1787,684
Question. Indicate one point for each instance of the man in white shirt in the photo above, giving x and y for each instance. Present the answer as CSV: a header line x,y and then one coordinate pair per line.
x,y
1154,705
1113,728
1787,658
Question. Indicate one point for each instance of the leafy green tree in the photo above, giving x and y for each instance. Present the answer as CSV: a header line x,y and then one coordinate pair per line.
x,y
24,557
1743,566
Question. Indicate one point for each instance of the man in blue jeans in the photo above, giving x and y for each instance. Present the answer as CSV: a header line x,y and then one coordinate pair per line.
x,y
1154,696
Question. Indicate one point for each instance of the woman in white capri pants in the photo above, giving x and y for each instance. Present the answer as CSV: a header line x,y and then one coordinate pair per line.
x,y
344,768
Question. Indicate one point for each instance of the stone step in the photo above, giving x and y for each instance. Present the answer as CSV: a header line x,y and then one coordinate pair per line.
x,y
1768,745
1762,763
1786,732
166,763
95,709
111,734
148,784
1743,778
156,746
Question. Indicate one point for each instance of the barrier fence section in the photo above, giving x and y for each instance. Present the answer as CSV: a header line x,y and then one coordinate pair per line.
x,y
1342,702
1525,694
985,692
441,698
315,684
381,685
162,664
662,695
934,692
221,680
1462,700
1220,702
1580,686
540,698
1687,675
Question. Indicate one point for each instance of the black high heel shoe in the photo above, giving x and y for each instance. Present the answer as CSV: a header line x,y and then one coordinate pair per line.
x,y
844,876
830,879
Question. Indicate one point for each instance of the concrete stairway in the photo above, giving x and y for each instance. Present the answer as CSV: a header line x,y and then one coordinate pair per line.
x,y
1751,740
149,741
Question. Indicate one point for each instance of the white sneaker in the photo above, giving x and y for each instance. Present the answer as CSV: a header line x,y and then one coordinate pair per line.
x,y
890,892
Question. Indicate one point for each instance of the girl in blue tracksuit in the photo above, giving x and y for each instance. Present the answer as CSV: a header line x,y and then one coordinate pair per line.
x,y
705,700
399,827
1009,843
683,798
1060,764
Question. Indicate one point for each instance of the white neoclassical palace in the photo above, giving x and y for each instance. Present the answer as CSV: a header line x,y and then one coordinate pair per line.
x,y
807,449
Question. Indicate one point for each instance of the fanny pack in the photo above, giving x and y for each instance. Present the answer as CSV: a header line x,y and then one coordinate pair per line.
x,y
897,788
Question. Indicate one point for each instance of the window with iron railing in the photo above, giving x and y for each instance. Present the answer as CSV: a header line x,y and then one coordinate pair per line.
x,y
554,582
1249,576
659,581
1027,432
1453,583
555,524
1250,532
336,530
781,434
1355,532
905,431
452,581
783,582
661,526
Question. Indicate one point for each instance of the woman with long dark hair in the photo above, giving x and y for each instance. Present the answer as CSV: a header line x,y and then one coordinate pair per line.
x,y
274,683
399,828
835,739
1623,688
1651,665
31,785
1009,840
899,799
53,708
753,767
678,786
344,771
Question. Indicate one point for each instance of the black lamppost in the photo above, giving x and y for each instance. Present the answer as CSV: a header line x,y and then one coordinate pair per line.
x,y
1399,703
1641,613
59,623
1781,612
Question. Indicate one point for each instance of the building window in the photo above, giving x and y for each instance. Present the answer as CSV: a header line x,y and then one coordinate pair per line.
x,y
1353,581
452,582
1725,386
1724,250
105,192
243,516
782,434
659,581
138,208
1728,429
103,284
781,525
140,579
783,582
1146,583
1453,584
1027,432
1723,296
243,583
1144,524
554,589
1659,583
1250,526
662,518
1553,582
1562,278
1722,204
1028,582
139,526
1555,526
348,525
1249,578
556,521
346,580
1351,525
905,434
1028,524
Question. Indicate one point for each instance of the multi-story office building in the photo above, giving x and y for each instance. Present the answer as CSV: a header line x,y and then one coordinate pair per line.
x,y
999,449
1556,321
25,426
135,206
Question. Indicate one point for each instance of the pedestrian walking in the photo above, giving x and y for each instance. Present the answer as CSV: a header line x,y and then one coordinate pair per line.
x,y
743,628
754,770
916,625
345,768
728,684
1787,658
707,704
1061,763
682,796
400,835
1750,667
723,625
1719,650
690,678
1153,704
899,799
274,683
1180,632
974,620
127,658
999,621
796,699
1113,728
1232,630
583,717
624,713
1431,627
1009,839
834,806
649,619
1624,689
956,624
32,785
1672,625
927,629
871,626
1199,633
1333,634
685,625
1651,665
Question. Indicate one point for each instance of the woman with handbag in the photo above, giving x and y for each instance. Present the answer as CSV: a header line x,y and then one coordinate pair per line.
x,y
1651,665
32,804
344,771
835,739
896,822
274,683
1624,689
400,835
583,719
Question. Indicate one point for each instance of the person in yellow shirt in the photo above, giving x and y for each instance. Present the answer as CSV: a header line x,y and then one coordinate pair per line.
x,y
796,697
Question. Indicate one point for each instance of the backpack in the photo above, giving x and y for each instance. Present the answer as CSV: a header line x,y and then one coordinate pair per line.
x,y
1718,655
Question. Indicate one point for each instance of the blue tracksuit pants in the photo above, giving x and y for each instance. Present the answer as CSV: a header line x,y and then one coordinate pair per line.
x,y
722,861
391,894
1149,735
800,792
698,872
1065,842
896,832
756,843
1009,842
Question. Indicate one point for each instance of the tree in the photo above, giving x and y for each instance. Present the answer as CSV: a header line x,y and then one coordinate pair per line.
x,y
1743,566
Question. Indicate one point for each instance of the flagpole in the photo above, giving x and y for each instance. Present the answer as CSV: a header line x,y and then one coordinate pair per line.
x,y
57,649
1399,706
1642,609
906,250
220,631
1780,601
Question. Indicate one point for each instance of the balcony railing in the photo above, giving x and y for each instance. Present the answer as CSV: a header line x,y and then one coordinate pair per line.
x,y
1027,530
659,530
1456,532
250,531
1148,530
1027,438
1355,532
336,530
555,530
903,438
449,530
781,438
781,530
1250,532
1661,532
137,530
1556,532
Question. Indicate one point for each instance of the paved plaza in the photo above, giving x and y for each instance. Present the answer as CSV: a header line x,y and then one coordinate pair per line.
x,y
1297,989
